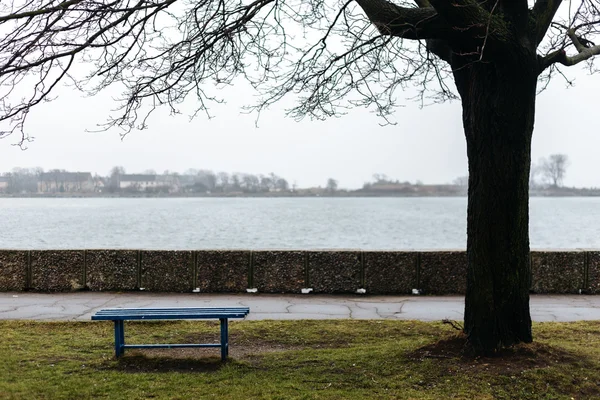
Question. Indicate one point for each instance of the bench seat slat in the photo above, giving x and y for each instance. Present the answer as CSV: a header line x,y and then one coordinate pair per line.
x,y
164,316
207,315
122,314
206,309
173,312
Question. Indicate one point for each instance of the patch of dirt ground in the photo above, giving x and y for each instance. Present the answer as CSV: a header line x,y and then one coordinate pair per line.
x,y
205,359
510,360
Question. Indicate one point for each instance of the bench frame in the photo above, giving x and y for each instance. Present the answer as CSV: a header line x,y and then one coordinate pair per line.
x,y
120,315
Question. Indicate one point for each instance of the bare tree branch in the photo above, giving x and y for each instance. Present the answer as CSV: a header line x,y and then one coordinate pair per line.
x,y
479,21
408,23
62,6
576,40
439,47
578,33
561,57
543,14
323,53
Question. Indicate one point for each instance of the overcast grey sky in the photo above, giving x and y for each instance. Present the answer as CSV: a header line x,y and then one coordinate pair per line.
x,y
426,144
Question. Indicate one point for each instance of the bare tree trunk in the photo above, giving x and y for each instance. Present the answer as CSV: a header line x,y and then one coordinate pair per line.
x,y
498,115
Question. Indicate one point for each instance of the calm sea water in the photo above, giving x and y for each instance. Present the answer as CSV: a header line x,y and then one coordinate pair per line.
x,y
281,223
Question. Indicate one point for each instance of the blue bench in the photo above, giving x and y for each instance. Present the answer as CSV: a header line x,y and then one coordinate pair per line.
x,y
120,315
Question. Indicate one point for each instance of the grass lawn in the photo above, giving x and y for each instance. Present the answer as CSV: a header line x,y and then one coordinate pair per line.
x,y
293,360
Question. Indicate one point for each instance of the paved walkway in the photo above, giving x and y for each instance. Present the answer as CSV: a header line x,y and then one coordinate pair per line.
x,y
81,305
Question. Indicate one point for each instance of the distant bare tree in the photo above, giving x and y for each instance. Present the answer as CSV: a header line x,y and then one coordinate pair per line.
x,y
251,183
236,180
117,170
208,177
223,181
282,184
247,183
534,173
330,56
332,185
23,180
380,178
273,178
462,181
554,168
265,183
115,178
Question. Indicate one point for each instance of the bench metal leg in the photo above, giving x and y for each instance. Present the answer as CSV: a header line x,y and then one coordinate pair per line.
x,y
119,338
224,338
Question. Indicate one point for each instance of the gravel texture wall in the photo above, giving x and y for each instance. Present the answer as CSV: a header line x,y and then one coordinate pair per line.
x,y
279,271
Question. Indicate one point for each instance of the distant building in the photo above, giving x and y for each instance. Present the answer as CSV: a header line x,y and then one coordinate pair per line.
x,y
138,182
4,182
61,181
169,183
99,184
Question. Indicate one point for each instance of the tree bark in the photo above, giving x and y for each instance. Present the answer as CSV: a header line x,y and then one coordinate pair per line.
x,y
498,100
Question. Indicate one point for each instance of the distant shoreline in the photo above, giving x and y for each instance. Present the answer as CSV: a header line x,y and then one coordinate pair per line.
x,y
557,193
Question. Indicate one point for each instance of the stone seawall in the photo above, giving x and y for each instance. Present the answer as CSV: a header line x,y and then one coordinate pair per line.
x,y
279,271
